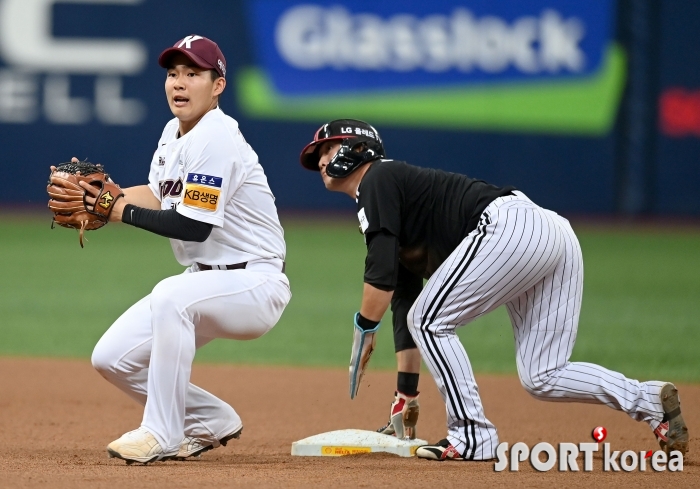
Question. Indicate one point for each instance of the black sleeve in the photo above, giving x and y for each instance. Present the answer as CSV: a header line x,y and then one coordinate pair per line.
x,y
168,223
382,262
379,203
408,288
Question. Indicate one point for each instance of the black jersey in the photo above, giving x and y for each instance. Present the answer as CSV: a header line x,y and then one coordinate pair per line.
x,y
416,217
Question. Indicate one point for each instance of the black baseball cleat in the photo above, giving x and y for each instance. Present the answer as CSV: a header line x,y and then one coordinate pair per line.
x,y
387,429
440,451
230,437
672,433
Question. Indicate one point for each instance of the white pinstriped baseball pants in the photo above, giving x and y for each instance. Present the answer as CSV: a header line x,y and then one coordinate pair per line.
x,y
529,259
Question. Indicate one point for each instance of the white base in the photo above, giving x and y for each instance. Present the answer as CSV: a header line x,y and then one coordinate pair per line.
x,y
350,442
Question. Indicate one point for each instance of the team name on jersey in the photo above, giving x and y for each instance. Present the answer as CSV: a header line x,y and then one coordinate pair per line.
x,y
202,191
170,188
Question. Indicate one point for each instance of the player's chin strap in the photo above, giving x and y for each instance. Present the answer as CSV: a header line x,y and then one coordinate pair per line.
x,y
363,343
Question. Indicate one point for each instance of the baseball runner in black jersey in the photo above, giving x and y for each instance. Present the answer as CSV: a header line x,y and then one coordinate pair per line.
x,y
479,247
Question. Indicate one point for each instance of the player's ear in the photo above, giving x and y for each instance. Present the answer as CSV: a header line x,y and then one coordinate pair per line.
x,y
219,85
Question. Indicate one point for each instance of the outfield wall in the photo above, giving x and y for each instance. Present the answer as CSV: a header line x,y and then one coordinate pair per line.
x,y
589,107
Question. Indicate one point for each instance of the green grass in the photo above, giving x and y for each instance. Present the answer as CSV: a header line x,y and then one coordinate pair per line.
x,y
639,315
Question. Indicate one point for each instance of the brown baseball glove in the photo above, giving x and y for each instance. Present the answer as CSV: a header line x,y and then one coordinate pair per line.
x,y
67,198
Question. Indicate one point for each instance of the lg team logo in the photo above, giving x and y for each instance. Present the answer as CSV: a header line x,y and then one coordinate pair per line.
x,y
359,132
36,81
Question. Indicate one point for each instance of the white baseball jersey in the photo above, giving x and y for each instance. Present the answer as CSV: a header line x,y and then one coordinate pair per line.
x,y
211,174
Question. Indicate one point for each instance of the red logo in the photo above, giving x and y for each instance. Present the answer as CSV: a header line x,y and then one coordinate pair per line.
x,y
679,112
599,433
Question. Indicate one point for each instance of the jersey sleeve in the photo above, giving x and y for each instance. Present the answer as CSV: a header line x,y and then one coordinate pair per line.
x,y
379,203
213,171
380,200
382,262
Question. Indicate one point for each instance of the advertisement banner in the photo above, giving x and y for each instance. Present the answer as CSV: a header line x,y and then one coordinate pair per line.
x,y
80,78
527,65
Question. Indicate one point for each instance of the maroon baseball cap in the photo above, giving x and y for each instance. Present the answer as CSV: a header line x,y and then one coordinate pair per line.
x,y
203,52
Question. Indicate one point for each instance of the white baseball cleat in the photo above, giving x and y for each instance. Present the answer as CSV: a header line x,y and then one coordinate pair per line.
x,y
193,446
138,445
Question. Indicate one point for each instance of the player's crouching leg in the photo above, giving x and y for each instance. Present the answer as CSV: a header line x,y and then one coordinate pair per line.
x,y
122,354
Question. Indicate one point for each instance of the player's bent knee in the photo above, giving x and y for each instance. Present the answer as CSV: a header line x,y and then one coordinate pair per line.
x,y
102,359
532,390
164,297
537,387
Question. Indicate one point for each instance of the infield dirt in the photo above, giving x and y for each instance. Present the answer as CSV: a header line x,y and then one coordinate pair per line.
x,y
57,416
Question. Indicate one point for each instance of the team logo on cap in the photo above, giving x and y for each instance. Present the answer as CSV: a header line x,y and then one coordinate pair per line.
x,y
222,66
187,42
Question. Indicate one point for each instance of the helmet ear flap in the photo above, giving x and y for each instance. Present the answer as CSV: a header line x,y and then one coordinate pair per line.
x,y
352,154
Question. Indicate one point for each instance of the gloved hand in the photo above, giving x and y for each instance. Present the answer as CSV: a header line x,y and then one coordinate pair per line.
x,y
363,344
67,197
403,417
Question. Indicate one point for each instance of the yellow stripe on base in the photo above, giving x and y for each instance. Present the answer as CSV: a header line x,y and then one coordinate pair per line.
x,y
332,451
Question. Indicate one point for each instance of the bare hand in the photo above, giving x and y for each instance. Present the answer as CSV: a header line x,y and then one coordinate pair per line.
x,y
91,194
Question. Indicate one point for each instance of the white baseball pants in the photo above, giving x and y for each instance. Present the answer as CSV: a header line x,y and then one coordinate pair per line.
x,y
529,259
148,351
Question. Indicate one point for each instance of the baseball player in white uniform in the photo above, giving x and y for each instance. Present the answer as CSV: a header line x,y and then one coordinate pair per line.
x,y
479,246
209,195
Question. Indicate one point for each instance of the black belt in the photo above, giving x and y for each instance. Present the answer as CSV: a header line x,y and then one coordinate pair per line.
x,y
235,266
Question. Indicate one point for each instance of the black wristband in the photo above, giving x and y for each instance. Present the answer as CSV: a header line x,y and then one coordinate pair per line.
x,y
365,323
407,383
